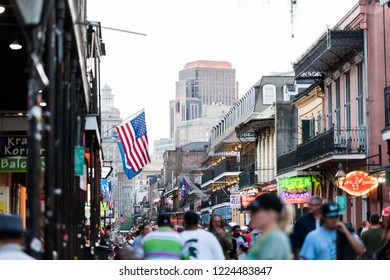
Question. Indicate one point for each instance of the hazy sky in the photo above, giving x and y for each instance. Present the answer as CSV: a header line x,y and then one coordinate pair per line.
x,y
254,35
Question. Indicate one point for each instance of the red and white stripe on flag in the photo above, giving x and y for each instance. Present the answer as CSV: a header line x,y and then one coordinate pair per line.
x,y
135,142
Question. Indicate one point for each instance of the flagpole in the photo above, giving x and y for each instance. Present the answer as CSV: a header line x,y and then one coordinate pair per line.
x,y
129,117
136,113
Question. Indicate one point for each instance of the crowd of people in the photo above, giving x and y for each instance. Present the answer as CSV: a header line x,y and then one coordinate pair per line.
x,y
320,234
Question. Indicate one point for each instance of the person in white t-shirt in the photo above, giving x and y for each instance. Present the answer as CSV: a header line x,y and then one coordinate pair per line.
x,y
119,239
241,245
201,244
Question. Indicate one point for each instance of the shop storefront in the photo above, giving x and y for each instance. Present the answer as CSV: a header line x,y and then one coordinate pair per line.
x,y
13,175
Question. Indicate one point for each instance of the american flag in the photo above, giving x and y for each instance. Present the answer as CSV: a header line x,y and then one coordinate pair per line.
x,y
134,138
111,201
184,187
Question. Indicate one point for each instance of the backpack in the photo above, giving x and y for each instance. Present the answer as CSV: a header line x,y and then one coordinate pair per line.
x,y
233,251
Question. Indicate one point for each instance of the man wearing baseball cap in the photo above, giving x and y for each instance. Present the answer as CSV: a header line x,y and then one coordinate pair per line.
x,y
11,238
321,244
274,244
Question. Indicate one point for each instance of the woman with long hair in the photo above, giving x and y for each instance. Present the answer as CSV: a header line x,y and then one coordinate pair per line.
x,y
217,227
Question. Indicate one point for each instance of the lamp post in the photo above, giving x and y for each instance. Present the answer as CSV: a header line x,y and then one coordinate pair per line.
x,y
33,17
340,179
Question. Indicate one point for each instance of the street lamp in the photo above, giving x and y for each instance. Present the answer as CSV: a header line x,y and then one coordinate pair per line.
x,y
340,176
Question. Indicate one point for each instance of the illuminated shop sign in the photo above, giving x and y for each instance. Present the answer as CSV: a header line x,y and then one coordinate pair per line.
x,y
18,164
296,189
358,183
246,200
248,196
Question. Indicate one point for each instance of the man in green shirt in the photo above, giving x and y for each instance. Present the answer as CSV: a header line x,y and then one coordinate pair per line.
x,y
164,243
372,238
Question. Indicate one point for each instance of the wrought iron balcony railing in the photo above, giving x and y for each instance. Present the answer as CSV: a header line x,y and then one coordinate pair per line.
x,y
333,141
286,161
225,166
247,177
327,50
208,175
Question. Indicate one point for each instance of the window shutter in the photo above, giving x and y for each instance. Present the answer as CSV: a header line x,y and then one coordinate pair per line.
x,y
305,130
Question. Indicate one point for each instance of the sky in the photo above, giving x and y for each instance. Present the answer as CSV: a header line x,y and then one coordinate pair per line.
x,y
255,36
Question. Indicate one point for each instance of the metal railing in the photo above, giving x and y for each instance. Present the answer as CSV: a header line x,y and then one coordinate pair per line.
x,y
333,141
247,177
286,161
208,175
225,166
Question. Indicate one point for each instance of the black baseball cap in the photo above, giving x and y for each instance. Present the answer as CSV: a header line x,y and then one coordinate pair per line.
x,y
331,209
266,202
236,227
164,220
11,224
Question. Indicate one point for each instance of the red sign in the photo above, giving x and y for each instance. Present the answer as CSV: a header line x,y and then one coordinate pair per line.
x,y
247,199
358,183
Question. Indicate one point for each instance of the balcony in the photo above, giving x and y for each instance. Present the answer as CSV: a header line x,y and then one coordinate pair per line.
x,y
287,161
247,177
226,166
332,142
328,50
208,175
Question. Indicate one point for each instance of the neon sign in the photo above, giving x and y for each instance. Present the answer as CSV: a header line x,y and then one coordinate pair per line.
x,y
295,189
359,183
247,199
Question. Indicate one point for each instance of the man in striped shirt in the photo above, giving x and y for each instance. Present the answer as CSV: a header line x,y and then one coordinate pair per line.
x,y
164,243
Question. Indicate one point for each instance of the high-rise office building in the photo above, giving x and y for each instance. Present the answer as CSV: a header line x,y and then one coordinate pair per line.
x,y
110,119
201,84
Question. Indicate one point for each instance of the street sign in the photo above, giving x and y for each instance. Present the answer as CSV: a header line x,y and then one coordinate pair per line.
x,y
78,161
18,164
341,200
